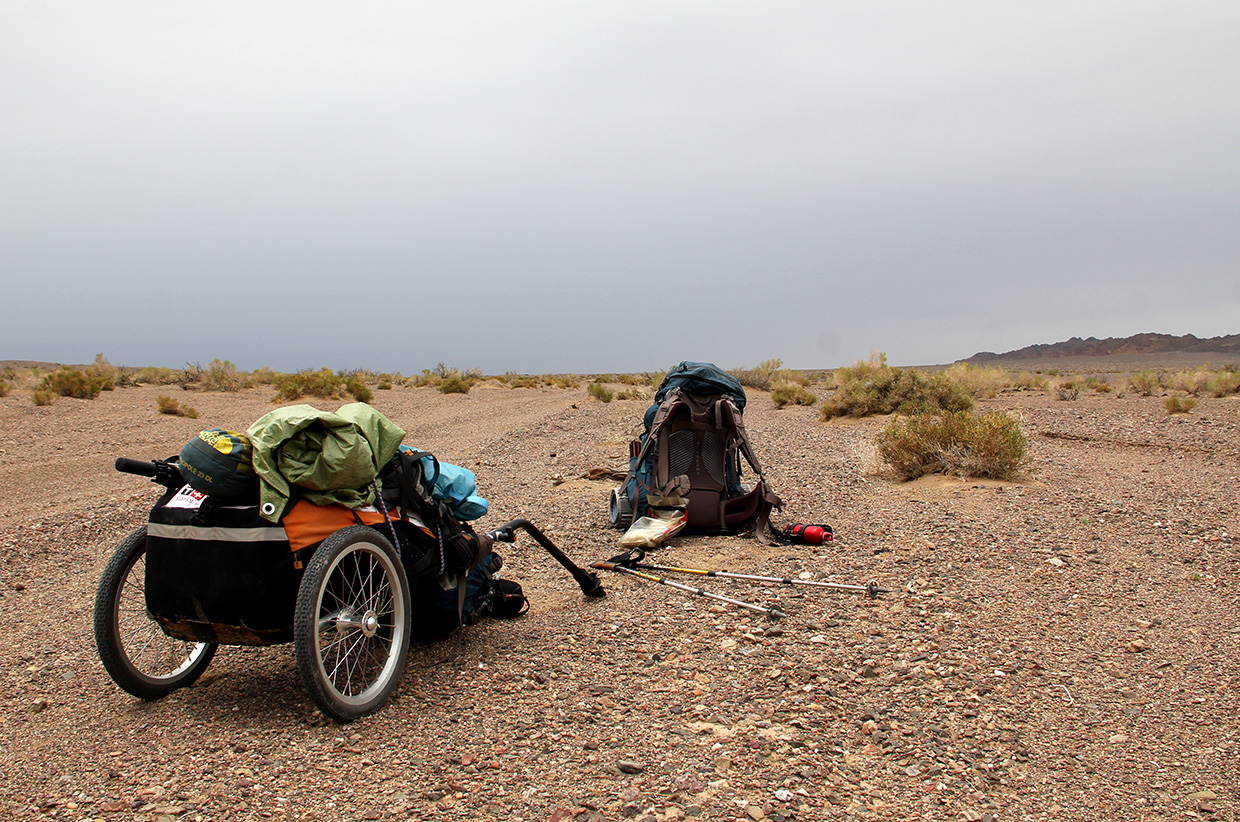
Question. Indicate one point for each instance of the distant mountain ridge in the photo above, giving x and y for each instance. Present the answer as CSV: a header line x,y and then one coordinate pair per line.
x,y
1136,344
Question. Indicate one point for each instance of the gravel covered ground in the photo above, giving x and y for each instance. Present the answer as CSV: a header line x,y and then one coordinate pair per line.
x,y
1062,648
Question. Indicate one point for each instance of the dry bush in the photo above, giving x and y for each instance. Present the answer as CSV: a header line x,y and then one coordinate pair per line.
x,y
792,394
761,377
600,392
520,380
1179,405
72,382
632,394
959,443
885,390
1028,381
4,388
1066,389
322,383
1223,383
151,375
169,405
358,389
1145,382
222,375
859,370
980,380
107,374
454,384
264,376
42,396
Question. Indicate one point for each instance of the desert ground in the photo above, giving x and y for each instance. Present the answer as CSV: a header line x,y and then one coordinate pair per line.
x,y
1065,647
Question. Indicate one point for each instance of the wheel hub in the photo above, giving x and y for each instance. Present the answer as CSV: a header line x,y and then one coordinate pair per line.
x,y
350,620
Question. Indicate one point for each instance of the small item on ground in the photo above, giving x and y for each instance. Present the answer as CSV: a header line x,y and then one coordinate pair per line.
x,y
667,517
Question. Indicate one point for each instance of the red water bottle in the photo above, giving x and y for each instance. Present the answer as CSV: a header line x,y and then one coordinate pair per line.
x,y
809,534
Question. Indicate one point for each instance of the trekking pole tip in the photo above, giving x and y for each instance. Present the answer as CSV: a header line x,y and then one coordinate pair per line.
x,y
591,586
872,590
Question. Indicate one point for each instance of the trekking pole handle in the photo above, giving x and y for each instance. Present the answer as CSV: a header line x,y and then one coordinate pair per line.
x,y
589,583
604,566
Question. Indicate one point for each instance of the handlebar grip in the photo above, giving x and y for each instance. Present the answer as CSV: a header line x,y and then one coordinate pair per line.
x,y
140,467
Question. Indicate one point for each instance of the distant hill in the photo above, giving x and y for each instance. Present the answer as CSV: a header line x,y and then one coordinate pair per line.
x,y
1136,345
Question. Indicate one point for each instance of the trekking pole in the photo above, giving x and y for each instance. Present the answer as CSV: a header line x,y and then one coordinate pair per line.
x,y
590,584
772,613
872,590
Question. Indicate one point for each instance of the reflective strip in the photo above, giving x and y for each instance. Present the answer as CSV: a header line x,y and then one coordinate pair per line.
x,y
195,532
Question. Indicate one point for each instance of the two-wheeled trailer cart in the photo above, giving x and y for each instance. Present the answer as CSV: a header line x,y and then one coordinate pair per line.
x,y
193,579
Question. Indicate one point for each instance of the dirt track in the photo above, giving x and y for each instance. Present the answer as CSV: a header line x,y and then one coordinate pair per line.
x,y
1063,648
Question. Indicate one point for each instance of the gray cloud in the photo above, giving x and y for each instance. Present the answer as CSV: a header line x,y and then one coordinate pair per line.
x,y
588,187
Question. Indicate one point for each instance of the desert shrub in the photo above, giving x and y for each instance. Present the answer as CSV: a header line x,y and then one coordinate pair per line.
x,y
384,385
1098,385
322,383
885,390
565,382
1190,382
520,381
632,379
1223,383
4,388
1179,405
152,375
264,375
860,370
42,396
1028,381
222,375
960,443
454,384
106,373
980,380
761,377
71,382
792,394
170,405
1146,382
632,394
600,392
426,378
359,390
657,377
1067,389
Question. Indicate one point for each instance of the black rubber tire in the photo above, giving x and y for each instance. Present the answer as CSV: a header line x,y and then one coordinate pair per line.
x,y
352,622
134,650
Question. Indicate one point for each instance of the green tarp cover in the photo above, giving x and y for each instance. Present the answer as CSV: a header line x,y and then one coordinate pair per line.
x,y
331,456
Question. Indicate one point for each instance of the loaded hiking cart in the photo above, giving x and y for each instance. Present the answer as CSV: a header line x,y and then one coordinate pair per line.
x,y
348,588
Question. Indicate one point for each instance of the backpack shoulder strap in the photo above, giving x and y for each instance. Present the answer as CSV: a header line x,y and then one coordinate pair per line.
x,y
734,418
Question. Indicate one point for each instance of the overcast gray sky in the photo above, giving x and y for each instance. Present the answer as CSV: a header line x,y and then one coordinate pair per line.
x,y
612,186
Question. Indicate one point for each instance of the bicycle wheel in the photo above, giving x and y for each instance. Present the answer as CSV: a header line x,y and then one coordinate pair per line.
x,y
351,626
136,653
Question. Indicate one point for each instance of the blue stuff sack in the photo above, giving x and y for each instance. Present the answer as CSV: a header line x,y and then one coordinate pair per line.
x,y
454,485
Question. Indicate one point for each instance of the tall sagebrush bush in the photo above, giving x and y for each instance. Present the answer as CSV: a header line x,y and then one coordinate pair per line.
x,y
959,443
